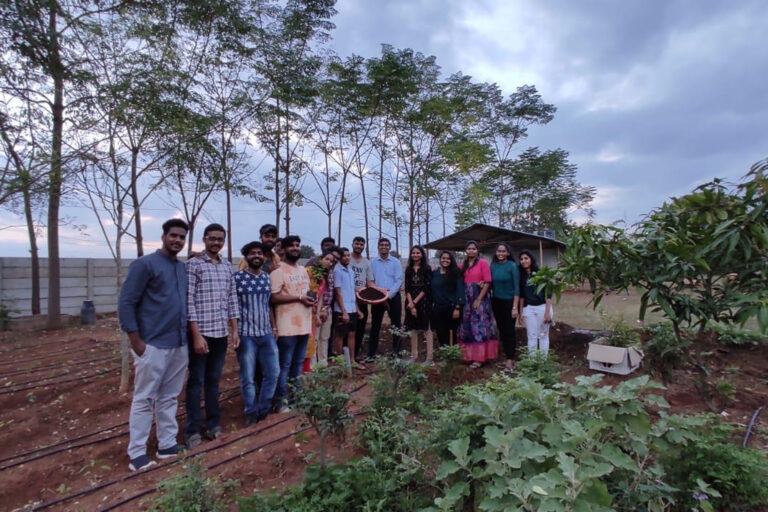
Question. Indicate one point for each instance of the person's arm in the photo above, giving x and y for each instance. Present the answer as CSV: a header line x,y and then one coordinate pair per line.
x,y
130,295
279,296
548,311
398,279
486,277
199,345
234,310
273,321
516,290
340,302
369,275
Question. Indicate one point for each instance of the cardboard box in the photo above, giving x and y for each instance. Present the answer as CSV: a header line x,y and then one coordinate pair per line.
x,y
619,360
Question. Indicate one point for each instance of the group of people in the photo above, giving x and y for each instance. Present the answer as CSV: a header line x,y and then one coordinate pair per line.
x,y
282,319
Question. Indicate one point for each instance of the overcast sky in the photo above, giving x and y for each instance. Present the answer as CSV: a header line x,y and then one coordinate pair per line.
x,y
653,96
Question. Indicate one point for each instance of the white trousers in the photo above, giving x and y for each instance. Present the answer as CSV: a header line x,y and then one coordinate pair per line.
x,y
537,330
160,375
322,336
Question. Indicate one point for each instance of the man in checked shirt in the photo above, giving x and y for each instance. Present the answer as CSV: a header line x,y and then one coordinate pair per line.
x,y
211,305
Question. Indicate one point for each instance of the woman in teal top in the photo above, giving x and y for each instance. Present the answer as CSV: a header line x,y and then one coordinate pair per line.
x,y
505,301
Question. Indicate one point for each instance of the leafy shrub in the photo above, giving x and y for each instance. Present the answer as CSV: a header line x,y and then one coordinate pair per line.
x,y
737,474
663,351
323,404
448,358
518,445
728,334
398,384
540,367
191,491
622,335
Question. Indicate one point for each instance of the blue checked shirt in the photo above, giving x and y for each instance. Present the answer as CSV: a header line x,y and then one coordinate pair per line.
x,y
212,298
254,292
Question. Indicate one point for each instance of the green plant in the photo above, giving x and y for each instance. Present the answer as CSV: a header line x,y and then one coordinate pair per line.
x,y
514,444
448,358
540,367
737,474
323,404
622,335
6,310
398,384
733,335
664,352
192,491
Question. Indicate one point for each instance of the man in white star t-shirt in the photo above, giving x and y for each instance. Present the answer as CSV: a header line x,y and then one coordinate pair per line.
x,y
258,345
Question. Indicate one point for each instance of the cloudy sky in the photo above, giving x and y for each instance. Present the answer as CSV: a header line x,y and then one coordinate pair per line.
x,y
653,96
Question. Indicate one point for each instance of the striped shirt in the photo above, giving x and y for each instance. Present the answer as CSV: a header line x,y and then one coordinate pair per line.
x,y
253,292
211,299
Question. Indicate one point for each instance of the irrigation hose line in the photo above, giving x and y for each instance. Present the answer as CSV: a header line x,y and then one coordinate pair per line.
x,y
32,347
50,354
137,474
37,455
73,362
751,425
65,381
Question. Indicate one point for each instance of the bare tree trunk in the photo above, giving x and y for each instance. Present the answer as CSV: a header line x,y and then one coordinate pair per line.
x,y
55,178
288,191
365,213
229,222
381,190
341,203
35,306
136,203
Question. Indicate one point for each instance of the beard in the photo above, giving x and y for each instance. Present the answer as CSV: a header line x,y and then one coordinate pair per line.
x,y
292,258
255,264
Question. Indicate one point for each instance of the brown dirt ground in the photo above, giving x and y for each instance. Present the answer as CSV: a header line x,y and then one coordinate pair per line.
x,y
71,398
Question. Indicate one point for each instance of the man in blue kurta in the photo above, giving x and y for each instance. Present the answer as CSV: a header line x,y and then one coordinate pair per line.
x,y
152,311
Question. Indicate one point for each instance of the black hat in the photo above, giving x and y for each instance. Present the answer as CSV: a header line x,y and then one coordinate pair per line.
x,y
266,228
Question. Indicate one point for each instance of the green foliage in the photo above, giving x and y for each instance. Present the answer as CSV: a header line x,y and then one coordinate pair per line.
x,y
192,491
6,310
538,366
737,474
323,404
398,384
698,258
622,335
663,350
448,359
733,335
307,251
518,445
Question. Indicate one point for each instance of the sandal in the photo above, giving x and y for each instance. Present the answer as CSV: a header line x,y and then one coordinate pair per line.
x,y
476,365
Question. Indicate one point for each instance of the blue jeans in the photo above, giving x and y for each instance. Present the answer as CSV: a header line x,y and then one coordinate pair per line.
x,y
261,351
205,372
292,350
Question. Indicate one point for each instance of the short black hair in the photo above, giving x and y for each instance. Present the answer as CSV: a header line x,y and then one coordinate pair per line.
x,y
358,239
290,240
174,223
250,246
267,228
342,250
327,240
214,227
382,240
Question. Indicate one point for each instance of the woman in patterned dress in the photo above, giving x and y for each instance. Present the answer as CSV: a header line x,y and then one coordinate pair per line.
x,y
478,337
318,275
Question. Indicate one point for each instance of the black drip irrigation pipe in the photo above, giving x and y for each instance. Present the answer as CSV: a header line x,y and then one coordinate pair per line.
x,y
156,467
32,347
751,425
36,453
72,362
49,354
65,381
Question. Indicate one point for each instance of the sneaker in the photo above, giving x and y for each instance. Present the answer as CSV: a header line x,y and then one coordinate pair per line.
x,y
167,453
214,433
251,419
194,440
284,409
141,462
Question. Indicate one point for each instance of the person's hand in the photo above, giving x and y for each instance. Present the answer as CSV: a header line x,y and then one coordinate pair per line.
x,y
200,345
235,340
521,321
140,347
323,316
514,312
456,314
414,311
307,300
476,304
345,318
547,317
359,314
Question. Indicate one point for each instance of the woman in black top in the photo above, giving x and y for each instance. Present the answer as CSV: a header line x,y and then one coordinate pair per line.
x,y
447,298
537,307
418,301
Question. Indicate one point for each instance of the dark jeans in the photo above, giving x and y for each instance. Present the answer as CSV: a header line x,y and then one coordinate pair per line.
x,y
292,350
205,372
502,311
361,323
261,352
393,307
443,323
